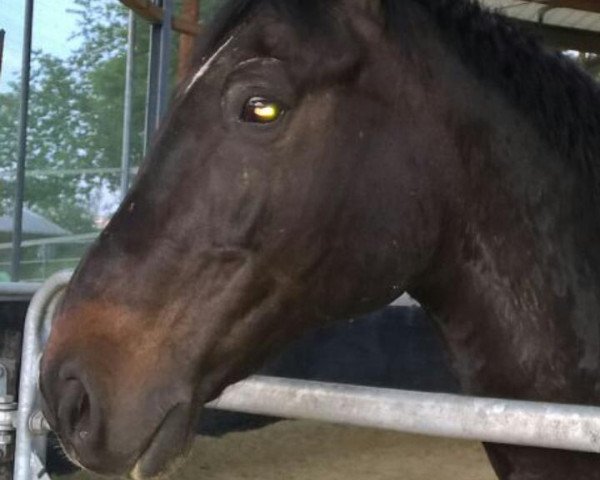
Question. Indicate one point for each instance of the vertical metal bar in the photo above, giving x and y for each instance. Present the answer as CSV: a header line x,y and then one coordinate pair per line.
x,y
2,33
153,74
44,260
37,327
164,75
22,152
159,70
128,107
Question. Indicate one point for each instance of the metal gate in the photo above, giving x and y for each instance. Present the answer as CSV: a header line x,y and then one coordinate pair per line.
x,y
569,427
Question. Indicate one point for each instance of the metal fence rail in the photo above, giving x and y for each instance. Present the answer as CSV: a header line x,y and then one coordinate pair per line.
x,y
570,427
30,448
18,291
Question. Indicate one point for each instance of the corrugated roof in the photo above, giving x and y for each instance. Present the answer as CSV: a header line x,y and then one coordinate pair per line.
x,y
538,12
562,24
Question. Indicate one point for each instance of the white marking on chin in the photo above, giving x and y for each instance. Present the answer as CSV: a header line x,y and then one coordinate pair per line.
x,y
136,473
204,68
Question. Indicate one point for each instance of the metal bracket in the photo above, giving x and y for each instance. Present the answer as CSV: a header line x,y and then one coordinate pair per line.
x,y
8,417
3,379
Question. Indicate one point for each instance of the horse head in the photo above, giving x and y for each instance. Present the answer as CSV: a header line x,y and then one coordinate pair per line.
x,y
318,161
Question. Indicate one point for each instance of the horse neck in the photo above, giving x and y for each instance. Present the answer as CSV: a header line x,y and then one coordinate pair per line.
x,y
514,286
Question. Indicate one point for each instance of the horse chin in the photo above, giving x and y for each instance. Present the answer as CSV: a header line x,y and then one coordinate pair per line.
x,y
138,472
167,448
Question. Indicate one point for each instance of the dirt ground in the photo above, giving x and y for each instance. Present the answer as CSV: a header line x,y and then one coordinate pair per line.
x,y
317,451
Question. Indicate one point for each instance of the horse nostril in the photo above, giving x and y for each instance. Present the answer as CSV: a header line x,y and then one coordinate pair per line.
x,y
75,411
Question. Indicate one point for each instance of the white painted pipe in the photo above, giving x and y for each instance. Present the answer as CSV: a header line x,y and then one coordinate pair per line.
x,y
17,291
37,326
569,427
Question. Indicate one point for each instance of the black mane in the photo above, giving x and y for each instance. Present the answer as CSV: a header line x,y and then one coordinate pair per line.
x,y
549,88
302,13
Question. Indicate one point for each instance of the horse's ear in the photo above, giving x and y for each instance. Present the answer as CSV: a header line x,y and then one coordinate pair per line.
x,y
319,57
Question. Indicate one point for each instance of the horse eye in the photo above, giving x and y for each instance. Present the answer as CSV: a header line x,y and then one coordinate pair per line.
x,y
261,110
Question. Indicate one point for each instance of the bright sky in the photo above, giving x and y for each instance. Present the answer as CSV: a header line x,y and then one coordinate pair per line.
x,y
53,26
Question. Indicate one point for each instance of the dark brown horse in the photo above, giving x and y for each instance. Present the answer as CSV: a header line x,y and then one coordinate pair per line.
x,y
322,158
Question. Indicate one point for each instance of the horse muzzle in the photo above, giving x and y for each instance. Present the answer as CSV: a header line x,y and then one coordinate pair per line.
x,y
170,442
115,436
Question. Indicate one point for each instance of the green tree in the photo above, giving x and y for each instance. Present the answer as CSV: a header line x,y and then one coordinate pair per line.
x,y
75,119
76,116
75,126
75,129
208,8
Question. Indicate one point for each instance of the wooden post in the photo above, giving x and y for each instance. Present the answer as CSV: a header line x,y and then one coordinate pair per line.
x,y
190,11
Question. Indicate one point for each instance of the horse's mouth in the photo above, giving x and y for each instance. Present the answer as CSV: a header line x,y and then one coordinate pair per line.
x,y
170,442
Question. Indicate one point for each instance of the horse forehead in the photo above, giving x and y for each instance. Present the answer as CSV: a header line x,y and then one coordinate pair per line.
x,y
205,67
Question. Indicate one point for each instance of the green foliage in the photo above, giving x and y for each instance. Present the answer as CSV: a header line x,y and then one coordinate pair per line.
x,y
75,131
75,125
208,8
75,121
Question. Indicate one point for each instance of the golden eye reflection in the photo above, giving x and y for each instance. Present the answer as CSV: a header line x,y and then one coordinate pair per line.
x,y
268,112
261,110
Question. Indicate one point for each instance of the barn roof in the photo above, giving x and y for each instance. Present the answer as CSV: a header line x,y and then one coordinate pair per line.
x,y
33,225
566,24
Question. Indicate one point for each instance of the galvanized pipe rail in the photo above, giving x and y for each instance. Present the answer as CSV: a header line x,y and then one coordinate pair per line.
x,y
31,444
569,427
17,291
